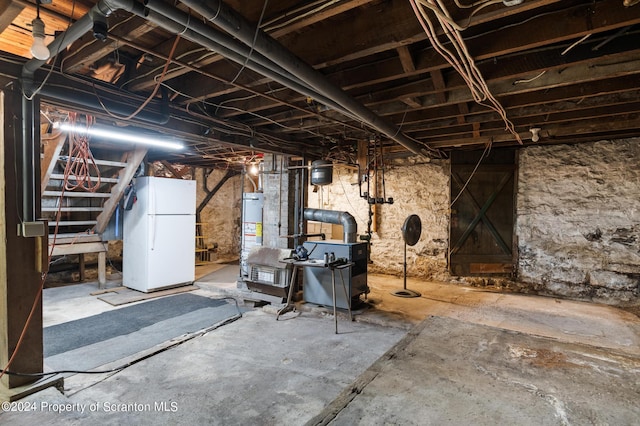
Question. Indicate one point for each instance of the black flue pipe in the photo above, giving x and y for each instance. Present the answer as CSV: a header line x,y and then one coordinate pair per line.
x,y
348,222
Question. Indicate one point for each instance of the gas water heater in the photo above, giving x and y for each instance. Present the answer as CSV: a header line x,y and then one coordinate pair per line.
x,y
252,204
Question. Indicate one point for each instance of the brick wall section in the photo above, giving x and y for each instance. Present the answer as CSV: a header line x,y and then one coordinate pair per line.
x,y
578,220
276,207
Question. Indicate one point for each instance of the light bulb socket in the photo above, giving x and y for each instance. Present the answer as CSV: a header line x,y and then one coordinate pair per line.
x,y
535,134
37,26
38,49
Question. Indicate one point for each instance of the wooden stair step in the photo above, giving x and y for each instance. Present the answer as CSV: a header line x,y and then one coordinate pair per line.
x,y
78,248
59,176
73,223
73,238
77,194
72,209
99,162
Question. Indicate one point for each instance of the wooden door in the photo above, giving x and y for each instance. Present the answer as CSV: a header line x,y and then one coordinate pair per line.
x,y
481,238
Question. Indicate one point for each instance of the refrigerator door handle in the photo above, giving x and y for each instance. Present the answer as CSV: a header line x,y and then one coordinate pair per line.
x,y
152,212
152,197
153,231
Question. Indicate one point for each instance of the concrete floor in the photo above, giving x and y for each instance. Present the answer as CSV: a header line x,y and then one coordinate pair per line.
x,y
456,355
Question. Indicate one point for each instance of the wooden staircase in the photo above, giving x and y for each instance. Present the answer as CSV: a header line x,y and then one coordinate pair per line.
x,y
84,216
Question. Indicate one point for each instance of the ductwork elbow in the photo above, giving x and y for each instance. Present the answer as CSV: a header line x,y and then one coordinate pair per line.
x,y
348,222
101,11
98,13
107,7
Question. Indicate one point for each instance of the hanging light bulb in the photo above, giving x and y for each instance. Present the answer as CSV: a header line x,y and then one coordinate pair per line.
x,y
535,134
38,48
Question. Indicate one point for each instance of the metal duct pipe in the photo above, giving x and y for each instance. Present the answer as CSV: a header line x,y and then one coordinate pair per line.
x,y
101,10
178,22
120,108
220,14
348,222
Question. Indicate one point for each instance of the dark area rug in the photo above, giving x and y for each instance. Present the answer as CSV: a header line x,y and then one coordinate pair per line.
x,y
109,336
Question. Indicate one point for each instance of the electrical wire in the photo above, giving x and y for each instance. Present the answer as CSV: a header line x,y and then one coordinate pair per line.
x,y
81,175
80,161
202,57
114,266
88,43
353,209
221,105
38,295
529,80
401,122
468,6
459,57
151,96
43,277
53,60
35,92
18,202
159,80
443,15
253,43
565,51
231,126
245,98
272,26
486,151
26,30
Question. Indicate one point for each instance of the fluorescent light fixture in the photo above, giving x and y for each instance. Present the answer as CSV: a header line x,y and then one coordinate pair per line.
x,y
121,136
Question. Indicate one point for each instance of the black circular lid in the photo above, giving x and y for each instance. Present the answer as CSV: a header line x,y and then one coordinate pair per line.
x,y
412,229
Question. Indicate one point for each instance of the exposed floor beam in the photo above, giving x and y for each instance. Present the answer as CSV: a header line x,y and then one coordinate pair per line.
x,y
9,10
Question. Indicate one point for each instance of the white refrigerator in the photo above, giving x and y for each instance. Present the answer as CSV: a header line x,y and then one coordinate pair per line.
x,y
159,235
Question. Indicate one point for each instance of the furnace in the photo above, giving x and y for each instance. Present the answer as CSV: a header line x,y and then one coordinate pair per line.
x,y
317,281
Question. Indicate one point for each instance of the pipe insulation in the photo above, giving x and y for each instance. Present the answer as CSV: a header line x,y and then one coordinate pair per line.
x,y
179,22
348,222
229,20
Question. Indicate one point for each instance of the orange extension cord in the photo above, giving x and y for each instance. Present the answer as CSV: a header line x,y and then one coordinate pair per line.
x,y
83,181
79,165
80,162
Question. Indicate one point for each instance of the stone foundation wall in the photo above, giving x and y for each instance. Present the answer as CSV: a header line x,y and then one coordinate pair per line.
x,y
417,188
578,222
221,217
